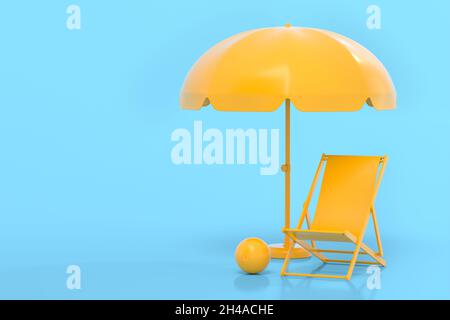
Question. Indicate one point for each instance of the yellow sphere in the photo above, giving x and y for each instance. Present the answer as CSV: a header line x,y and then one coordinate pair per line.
x,y
252,255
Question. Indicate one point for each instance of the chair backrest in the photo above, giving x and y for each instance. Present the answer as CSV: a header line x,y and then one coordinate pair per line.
x,y
346,194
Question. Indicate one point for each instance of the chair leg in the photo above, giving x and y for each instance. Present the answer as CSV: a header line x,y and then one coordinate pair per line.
x,y
377,231
353,261
308,248
286,259
373,255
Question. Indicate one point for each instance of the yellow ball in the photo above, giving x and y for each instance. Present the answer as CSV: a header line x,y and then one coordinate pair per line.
x,y
252,255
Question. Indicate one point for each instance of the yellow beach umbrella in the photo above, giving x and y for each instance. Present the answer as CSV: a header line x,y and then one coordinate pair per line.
x,y
315,70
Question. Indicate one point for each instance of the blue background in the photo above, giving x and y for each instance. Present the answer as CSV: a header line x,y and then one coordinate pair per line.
x,y
86,176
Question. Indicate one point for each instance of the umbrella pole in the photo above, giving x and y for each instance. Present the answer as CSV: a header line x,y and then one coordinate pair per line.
x,y
279,251
287,171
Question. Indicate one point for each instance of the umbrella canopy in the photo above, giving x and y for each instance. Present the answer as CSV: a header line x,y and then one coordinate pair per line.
x,y
316,70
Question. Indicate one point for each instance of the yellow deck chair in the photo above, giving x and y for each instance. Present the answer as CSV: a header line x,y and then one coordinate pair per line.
x,y
344,207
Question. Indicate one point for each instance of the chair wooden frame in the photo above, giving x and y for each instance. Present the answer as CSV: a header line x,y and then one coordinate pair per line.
x,y
300,236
